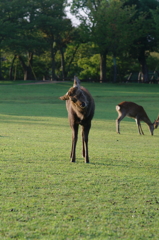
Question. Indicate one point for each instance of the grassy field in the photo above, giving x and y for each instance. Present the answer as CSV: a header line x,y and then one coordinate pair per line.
x,y
44,196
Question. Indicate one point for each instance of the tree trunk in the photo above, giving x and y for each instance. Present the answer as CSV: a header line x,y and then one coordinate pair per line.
x,y
71,59
115,70
144,67
62,64
23,66
1,77
53,53
11,68
103,57
28,73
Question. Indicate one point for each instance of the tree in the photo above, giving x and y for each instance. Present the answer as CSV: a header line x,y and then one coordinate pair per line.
x,y
113,29
146,42
8,28
108,24
38,24
155,15
91,25
19,34
50,20
65,37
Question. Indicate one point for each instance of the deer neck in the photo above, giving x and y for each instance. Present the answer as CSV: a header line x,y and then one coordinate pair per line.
x,y
147,121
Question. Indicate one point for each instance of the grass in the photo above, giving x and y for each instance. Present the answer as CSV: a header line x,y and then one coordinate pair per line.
x,y
44,196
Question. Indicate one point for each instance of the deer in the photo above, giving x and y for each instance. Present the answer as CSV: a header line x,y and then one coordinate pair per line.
x,y
80,107
137,112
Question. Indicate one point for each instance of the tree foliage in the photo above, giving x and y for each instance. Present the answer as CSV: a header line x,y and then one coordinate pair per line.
x,y
145,43
43,41
110,24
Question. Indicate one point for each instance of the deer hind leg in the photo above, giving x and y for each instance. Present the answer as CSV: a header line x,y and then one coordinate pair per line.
x,y
121,115
85,133
139,126
74,142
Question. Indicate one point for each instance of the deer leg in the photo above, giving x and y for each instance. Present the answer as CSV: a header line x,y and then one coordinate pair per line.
x,y
85,133
74,142
151,128
141,129
83,147
139,126
118,120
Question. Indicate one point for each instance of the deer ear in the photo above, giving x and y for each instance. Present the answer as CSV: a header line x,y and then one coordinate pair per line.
x,y
65,97
76,82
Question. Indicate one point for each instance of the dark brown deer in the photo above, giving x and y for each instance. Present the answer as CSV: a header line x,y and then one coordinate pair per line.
x,y
80,107
133,110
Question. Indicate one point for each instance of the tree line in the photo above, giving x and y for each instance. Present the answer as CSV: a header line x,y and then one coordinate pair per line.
x,y
114,37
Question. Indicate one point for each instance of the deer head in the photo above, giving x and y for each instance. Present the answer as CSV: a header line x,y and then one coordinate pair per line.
x,y
76,95
156,122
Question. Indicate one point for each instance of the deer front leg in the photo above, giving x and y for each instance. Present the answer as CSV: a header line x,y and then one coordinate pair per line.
x,y
151,128
74,142
83,146
85,133
139,126
141,131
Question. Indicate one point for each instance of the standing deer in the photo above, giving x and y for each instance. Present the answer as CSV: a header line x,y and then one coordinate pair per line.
x,y
80,107
133,110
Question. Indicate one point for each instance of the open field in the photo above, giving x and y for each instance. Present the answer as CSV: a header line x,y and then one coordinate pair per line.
x,y
44,196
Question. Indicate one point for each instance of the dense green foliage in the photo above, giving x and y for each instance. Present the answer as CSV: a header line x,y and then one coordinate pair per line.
x,y
44,196
39,41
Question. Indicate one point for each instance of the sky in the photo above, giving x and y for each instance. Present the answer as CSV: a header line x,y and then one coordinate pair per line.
x,y
74,20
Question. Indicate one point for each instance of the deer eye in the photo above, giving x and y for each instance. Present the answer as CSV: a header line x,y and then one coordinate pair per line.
x,y
83,104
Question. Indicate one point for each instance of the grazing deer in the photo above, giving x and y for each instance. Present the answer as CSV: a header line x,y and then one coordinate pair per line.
x,y
133,110
80,107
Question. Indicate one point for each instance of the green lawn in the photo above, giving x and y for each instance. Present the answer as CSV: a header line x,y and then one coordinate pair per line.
x,y
44,196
